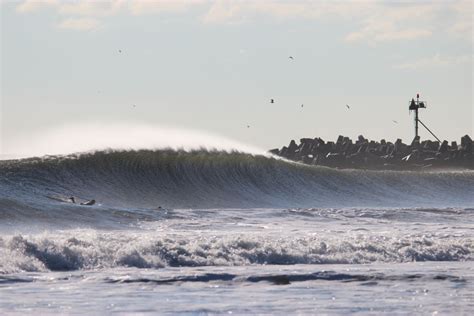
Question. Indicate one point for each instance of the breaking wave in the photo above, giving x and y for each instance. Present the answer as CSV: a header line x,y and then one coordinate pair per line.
x,y
90,249
210,179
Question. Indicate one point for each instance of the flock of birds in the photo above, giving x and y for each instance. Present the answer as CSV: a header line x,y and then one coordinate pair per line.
x,y
302,105
271,100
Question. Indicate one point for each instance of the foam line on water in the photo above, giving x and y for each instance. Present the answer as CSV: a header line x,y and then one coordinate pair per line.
x,y
89,249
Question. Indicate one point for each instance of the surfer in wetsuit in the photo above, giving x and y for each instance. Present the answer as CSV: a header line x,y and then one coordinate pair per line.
x,y
87,203
91,202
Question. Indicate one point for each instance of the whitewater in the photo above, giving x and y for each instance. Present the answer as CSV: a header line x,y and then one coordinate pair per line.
x,y
220,231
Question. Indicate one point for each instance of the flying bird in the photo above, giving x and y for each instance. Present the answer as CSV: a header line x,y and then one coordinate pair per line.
x,y
134,105
302,105
291,57
119,50
272,101
248,126
394,121
348,107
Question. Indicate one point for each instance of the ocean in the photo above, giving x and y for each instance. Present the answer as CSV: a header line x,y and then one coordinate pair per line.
x,y
227,232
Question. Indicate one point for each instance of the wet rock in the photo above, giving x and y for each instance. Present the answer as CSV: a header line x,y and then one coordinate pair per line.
x,y
443,147
365,154
292,147
284,152
306,146
416,142
466,143
361,140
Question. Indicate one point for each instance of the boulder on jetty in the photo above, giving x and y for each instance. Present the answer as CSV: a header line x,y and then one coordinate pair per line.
x,y
381,155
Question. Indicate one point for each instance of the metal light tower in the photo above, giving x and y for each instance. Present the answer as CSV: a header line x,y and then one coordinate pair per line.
x,y
414,106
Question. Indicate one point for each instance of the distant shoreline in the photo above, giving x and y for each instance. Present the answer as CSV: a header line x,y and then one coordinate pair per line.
x,y
381,155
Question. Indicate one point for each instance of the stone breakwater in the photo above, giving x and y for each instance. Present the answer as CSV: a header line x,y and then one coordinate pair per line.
x,y
383,155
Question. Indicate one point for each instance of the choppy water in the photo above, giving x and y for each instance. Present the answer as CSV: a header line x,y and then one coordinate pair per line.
x,y
236,233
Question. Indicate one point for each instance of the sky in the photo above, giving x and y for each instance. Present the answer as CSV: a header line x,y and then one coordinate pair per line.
x,y
211,67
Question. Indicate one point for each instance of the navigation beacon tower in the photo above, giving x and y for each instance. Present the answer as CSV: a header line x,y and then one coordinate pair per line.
x,y
414,106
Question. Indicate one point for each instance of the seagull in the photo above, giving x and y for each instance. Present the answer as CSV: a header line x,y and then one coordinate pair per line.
x,y
347,106
291,57
302,105
248,126
119,50
272,101
394,121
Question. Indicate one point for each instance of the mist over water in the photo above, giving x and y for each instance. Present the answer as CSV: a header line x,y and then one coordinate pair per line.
x,y
86,137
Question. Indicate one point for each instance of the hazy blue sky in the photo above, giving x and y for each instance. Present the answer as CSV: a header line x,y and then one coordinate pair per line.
x,y
213,66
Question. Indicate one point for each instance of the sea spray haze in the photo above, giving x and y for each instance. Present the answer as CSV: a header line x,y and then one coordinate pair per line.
x,y
196,230
90,136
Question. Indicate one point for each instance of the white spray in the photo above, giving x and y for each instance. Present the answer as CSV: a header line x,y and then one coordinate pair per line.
x,y
86,137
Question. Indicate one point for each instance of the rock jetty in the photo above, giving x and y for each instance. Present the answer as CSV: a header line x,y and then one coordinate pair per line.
x,y
368,154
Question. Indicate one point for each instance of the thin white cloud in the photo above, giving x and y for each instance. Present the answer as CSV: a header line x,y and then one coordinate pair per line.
x,y
34,5
375,21
79,24
90,8
108,7
238,11
463,24
378,35
159,6
435,61
396,22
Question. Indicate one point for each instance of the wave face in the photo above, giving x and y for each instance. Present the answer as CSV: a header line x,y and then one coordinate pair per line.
x,y
212,179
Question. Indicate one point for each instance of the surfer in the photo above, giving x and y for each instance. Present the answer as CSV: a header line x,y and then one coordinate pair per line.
x,y
91,202
72,200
